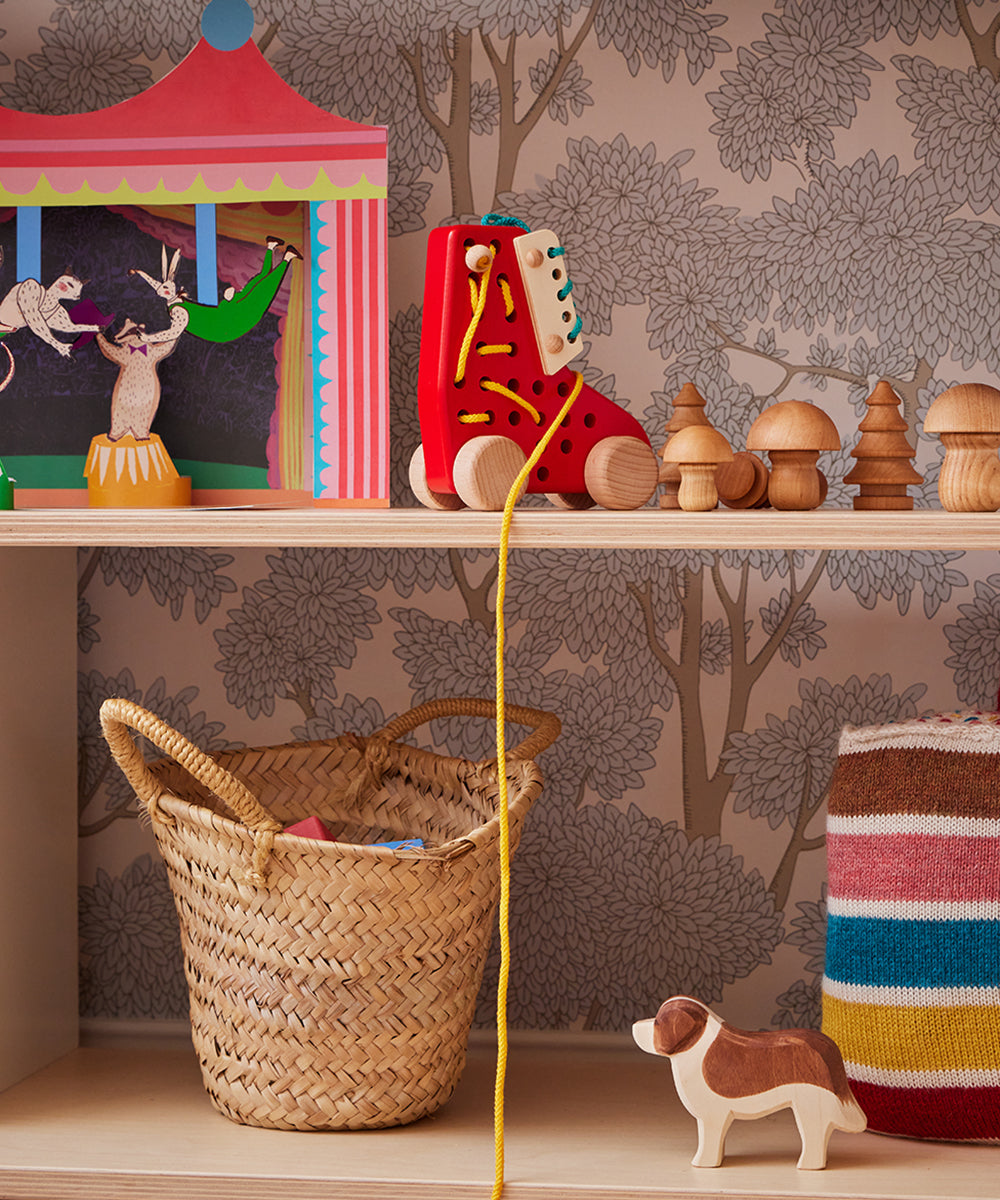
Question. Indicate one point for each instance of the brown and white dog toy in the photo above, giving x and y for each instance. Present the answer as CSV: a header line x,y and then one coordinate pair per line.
x,y
724,1074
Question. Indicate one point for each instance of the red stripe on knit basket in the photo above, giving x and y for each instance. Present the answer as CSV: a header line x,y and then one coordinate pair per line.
x,y
913,866
951,1114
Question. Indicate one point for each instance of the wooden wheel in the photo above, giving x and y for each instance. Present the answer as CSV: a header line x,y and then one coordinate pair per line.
x,y
574,500
743,482
485,469
420,489
621,472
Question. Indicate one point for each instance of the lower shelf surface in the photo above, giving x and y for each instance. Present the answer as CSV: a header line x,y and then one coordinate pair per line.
x,y
593,1121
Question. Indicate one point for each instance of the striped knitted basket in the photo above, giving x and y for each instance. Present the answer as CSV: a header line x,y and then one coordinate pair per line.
x,y
911,993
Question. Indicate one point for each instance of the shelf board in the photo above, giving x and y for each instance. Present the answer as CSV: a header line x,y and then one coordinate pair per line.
x,y
822,529
591,1118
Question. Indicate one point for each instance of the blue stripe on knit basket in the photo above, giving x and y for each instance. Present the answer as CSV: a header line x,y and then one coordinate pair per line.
x,y
882,953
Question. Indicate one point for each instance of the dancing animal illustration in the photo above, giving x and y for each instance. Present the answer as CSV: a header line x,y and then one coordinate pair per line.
x,y
28,305
136,394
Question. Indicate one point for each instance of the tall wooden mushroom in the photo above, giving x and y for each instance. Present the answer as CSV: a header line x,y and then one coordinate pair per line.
x,y
697,451
794,433
967,419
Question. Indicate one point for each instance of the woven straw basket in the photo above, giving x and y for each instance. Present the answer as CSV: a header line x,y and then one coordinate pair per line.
x,y
332,984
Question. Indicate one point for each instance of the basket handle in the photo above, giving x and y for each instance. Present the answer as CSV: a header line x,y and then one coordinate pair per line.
x,y
545,726
119,716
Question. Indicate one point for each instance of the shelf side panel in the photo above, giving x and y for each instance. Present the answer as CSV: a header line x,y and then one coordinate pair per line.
x,y
38,941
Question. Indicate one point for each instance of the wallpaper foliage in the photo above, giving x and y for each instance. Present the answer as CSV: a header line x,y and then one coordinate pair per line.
x,y
771,200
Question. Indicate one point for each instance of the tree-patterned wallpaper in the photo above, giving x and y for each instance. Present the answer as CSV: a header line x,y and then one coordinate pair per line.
x,y
772,200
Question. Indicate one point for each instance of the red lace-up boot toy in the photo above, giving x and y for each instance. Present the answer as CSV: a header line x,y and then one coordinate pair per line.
x,y
499,327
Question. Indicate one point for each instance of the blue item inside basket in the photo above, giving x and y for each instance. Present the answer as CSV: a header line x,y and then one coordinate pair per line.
x,y
406,844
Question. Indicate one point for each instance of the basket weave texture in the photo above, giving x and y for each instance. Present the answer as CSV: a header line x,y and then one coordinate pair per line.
x,y
332,984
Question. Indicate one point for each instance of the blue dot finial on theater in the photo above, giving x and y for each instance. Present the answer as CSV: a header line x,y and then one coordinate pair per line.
x,y
227,24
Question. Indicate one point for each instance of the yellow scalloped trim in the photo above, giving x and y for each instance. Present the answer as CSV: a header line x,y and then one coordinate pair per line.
x,y
197,192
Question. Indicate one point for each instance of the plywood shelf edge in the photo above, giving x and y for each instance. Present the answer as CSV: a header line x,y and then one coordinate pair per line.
x,y
822,529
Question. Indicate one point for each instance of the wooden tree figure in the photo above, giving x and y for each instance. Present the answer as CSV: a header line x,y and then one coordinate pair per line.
x,y
883,470
689,406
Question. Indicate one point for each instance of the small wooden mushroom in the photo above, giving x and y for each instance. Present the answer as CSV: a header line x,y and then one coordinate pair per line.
x,y
688,409
794,433
967,419
697,451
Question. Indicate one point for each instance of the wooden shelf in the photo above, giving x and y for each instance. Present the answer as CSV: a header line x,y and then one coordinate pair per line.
x,y
822,529
585,1117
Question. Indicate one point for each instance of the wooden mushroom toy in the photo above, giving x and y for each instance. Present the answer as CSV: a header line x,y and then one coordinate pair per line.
x,y
697,451
688,409
794,433
724,1074
967,419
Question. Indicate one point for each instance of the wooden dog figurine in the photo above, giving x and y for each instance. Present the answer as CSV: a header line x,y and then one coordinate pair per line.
x,y
724,1074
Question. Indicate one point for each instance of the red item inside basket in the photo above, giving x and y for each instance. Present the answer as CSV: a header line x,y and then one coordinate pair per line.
x,y
311,827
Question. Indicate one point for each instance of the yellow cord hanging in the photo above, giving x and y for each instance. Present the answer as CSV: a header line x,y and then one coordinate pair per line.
x,y
477,298
508,513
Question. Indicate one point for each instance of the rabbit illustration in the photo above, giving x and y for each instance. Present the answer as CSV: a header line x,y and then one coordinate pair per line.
x,y
174,296
236,313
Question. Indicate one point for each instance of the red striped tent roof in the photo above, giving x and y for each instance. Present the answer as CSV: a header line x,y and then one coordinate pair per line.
x,y
221,126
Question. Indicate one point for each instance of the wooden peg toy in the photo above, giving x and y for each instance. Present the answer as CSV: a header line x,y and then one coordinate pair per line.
x,y
478,258
883,470
499,330
696,452
724,1074
967,419
794,433
743,482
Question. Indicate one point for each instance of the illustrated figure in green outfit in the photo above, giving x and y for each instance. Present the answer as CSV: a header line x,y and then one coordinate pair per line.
x,y
236,313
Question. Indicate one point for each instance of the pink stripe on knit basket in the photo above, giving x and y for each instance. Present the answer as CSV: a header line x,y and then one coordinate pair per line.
x,y
913,866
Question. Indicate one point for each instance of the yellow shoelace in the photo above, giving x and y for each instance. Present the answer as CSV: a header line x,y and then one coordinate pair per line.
x,y
508,513
477,296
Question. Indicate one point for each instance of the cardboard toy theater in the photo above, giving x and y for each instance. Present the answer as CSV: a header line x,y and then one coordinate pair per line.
x,y
209,259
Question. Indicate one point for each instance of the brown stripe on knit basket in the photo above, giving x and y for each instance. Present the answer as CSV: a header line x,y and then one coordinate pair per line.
x,y
332,984
919,781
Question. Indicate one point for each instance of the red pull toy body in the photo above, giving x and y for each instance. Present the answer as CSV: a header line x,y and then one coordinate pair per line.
x,y
499,327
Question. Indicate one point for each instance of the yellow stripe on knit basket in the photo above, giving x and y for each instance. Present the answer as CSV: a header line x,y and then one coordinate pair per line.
x,y
914,1038
508,513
